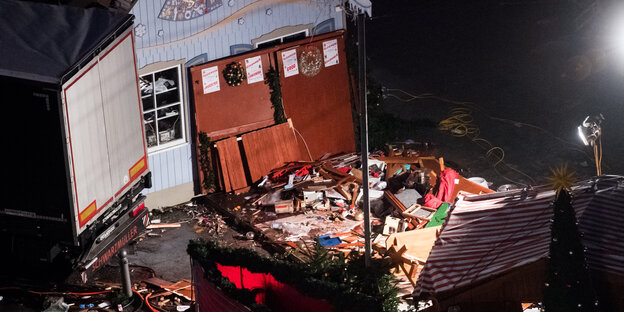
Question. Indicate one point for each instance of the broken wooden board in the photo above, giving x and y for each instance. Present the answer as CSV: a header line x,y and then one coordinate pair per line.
x,y
270,147
233,173
181,288
164,225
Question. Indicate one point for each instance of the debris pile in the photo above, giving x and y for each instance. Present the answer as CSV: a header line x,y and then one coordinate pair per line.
x,y
321,200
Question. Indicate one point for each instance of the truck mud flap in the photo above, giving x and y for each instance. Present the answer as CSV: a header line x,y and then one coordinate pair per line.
x,y
111,241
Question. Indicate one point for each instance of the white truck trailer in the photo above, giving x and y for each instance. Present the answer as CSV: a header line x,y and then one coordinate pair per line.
x,y
76,160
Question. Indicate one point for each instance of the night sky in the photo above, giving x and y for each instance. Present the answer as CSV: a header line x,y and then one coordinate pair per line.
x,y
531,70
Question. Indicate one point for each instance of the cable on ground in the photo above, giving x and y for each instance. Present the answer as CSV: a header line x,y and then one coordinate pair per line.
x,y
460,123
408,97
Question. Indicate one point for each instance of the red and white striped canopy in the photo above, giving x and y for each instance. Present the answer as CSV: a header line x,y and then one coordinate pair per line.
x,y
487,235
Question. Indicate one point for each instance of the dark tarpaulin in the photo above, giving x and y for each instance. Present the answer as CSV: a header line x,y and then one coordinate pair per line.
x,y
42,42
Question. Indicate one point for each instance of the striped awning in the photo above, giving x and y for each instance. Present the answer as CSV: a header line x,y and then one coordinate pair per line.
x,y
487,235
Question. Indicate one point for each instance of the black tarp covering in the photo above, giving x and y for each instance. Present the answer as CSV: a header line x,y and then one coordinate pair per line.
x,y
42,42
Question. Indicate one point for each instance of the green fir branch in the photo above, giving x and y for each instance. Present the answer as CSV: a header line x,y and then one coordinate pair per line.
x,y
205,162
273,80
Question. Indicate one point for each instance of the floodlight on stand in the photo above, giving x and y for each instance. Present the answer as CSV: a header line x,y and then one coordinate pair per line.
x,y
589,132
590,129
584,135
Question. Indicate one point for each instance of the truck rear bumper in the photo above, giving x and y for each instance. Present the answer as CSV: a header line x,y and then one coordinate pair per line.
x,y
108,244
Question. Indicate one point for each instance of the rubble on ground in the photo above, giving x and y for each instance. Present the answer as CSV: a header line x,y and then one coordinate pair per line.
x,y
305,201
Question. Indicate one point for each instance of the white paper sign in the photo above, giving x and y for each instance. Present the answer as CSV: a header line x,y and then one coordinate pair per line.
x,y
253,65
289,59
330,52
210,79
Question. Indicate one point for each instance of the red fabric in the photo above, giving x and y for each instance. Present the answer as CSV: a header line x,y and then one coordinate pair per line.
x,y
303,171
210,298
243,278
344,169
278,174
432,201
447,185
276,295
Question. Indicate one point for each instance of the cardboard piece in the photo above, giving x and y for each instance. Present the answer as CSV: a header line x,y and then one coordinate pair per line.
x,y
391,225
284,206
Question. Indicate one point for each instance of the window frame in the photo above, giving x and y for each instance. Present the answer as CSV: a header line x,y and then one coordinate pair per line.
x,y
306,32
155,108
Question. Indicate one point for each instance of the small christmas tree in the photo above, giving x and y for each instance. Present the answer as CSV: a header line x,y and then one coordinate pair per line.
x,y
568,286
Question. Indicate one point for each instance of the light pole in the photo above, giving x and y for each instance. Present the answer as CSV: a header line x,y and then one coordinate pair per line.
x,y
361,8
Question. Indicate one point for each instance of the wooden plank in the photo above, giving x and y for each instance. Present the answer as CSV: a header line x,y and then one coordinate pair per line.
x,y
269,148
163,226
399,159
468,186
239,129
224,172
231,164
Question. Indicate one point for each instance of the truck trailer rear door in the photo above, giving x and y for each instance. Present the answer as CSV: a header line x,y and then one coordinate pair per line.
x,y
103,118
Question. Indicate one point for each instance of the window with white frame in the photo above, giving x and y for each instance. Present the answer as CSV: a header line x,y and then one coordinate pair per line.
x,y
163,109
282,39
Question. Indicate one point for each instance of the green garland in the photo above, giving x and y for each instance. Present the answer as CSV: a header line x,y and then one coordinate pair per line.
x,y
205,162
347,285
273,80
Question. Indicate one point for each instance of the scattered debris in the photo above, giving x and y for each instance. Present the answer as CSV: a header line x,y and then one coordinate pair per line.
x,y
163,226
303,201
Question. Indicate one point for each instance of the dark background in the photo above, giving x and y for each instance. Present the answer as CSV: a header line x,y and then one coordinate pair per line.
x,y
530,70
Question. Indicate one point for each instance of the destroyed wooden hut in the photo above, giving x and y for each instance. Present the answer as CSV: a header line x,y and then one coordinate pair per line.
x,y
172,36
244,121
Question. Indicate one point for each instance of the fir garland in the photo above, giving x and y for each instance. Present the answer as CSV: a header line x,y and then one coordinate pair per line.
x,y
347,285
234,74
205,162
273,80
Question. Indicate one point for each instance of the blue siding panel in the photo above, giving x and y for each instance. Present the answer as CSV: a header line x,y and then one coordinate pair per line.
x,y
170,162
170,168
174,173
180,170
162,163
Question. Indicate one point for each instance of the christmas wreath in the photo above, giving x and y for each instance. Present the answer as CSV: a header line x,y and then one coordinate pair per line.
x,y
310,61
233,74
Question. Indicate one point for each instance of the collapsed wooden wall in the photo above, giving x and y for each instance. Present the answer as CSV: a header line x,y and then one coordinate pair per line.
x,y
259,152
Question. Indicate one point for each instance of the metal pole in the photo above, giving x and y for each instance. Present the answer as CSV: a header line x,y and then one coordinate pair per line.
x,y
125,273
361,18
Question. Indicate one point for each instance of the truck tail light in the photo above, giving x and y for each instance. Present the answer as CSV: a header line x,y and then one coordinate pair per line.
x,y
138,209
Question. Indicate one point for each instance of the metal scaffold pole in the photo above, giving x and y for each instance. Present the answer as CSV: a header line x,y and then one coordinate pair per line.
x,y
361,18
